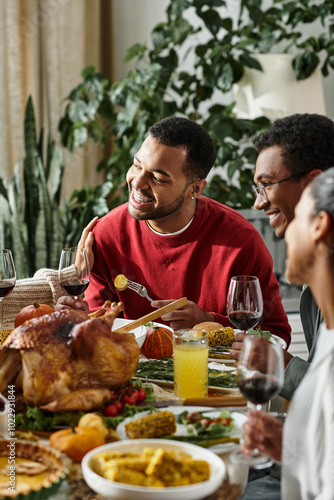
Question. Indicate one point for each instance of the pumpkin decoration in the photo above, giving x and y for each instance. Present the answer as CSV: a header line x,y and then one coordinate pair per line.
x,y
32,311
158,343
76,442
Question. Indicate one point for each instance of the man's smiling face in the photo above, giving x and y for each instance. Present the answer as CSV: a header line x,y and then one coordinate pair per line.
x,y
157,185
282,198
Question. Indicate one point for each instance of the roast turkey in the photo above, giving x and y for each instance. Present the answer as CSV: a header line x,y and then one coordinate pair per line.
x,y
68,360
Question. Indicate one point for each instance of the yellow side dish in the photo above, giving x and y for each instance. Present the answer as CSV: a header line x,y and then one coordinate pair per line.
x,y
154,467
121,282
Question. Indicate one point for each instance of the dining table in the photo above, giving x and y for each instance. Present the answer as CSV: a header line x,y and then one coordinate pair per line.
x,y
232,487
74,486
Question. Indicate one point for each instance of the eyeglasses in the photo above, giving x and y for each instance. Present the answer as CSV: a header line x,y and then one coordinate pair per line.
x,y
260,189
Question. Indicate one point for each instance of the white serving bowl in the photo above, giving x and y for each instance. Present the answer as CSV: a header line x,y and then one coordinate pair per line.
x,y
140,332
116,490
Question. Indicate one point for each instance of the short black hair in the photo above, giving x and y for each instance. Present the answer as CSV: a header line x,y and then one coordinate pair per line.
x,y
306,139
176,131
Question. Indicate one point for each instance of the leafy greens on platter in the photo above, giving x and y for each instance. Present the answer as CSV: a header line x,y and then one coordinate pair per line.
x,y
203,430
162,369
35,419
265,334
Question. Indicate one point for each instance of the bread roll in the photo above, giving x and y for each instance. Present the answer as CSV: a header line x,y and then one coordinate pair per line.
x,y
208,326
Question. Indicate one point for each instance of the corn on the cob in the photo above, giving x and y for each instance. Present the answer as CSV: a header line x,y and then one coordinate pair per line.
x,y
221,337
161,423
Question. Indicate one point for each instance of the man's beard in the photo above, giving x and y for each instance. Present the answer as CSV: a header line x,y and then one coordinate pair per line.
x,y
158,213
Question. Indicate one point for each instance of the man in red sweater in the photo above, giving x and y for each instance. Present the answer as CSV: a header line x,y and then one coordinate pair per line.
x,y
176,242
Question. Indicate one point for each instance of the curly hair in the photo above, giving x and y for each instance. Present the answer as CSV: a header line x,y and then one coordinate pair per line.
x,y
307,141
176,131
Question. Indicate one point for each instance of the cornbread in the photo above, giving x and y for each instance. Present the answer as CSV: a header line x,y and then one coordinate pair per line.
x,y
155,425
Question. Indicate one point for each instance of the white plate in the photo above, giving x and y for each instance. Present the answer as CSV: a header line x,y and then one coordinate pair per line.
x,y
126,491
140,332
281,341
238,419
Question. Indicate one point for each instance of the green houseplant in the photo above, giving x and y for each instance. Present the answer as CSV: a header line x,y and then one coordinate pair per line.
x,y
30,214
160,85
35,221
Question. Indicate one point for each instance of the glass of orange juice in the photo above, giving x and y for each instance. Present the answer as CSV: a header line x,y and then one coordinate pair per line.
x,y
190,354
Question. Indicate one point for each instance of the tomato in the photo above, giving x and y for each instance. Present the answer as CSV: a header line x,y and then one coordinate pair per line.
x,y
110,411
119,405
205,422
141,394
130,399
121,391
226,421
112,395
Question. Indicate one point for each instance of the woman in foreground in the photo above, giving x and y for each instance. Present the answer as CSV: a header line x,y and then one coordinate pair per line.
x,y
305,445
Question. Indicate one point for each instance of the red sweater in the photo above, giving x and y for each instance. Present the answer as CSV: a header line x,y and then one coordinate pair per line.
x,y
198,263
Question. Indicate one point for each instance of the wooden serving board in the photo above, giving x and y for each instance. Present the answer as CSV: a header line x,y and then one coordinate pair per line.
x,y
170,385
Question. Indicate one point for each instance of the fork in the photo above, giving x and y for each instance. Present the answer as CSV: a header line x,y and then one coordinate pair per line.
x,y
140,289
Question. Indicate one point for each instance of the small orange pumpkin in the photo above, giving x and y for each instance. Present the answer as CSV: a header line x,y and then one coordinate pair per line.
x,y
158,343
76,442
32,311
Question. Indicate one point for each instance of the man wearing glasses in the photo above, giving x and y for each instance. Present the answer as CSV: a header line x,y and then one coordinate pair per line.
x,y
290,154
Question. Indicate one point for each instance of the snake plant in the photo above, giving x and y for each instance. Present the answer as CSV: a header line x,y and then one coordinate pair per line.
x,y
31,218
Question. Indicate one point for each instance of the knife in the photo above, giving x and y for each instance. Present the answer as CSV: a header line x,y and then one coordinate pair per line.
x,y
215,402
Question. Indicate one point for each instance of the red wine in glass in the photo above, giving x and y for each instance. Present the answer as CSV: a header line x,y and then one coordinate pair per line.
x,y
244,320
260,376
260,389
74,271
6,287
244,302
74,287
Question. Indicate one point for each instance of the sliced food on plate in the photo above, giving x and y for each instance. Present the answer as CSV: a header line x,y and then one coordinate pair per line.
x,y
197,425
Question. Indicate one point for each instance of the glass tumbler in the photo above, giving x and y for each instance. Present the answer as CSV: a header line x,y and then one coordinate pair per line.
x,y
190,355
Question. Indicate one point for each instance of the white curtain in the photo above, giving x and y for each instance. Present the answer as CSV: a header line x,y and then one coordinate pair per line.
x,y
44,46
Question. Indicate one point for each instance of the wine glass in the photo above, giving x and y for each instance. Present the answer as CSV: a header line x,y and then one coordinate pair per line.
x,y
7,276
244,302
74,271
260,376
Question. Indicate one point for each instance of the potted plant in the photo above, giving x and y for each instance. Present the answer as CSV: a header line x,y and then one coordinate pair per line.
x,y
160,85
